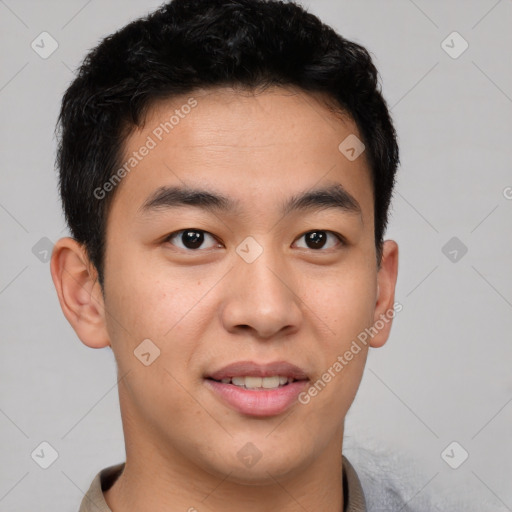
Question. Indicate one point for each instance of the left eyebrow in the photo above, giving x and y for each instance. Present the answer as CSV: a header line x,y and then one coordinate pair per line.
x,y
330,197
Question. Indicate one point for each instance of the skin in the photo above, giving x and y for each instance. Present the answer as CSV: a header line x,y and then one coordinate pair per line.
x,y
208,308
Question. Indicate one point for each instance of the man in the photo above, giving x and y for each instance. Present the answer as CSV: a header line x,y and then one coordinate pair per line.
x,y
226,169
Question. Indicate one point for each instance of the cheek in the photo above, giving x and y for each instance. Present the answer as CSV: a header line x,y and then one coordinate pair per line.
x,y
141,304
342,354
346,303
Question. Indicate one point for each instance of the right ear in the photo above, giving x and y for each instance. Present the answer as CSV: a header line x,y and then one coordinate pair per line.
x,y
79,292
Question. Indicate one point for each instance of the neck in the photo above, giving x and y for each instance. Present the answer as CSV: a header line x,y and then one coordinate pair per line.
x,y
163,480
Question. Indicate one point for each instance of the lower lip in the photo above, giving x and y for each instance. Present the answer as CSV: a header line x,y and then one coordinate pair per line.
x,y
269,402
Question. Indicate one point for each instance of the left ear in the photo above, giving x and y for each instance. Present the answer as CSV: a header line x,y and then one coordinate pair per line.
x,y
386,282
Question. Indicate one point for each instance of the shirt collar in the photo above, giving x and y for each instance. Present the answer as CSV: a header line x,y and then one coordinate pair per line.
x,y
94,500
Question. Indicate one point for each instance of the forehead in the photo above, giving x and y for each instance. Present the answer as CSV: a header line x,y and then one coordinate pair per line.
x,y
257,148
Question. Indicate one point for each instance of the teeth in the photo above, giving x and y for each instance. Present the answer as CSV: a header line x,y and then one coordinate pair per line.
x,y
253,382
270,382
250,382
238,381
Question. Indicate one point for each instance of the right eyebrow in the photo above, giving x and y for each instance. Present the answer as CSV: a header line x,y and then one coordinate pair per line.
x,y
176,196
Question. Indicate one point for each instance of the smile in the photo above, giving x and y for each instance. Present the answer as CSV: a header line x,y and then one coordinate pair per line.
x,y
258,389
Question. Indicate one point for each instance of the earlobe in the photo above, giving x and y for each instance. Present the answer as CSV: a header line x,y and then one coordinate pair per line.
x,y
79,292
386,283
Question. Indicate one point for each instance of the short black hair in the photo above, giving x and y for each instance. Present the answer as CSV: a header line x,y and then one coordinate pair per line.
x,y
187,45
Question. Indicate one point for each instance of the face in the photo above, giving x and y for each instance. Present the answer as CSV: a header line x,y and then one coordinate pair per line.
x,y
242,244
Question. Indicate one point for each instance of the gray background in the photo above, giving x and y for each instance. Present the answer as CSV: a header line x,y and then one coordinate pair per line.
x,y
444,374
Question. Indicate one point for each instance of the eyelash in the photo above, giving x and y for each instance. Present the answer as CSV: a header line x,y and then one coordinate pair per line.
x,y
168,238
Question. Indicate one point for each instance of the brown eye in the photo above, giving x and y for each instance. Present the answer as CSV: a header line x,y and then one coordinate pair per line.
x,y
191,239
318,239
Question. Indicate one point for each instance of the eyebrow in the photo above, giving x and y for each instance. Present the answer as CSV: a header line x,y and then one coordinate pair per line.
x,y
330,197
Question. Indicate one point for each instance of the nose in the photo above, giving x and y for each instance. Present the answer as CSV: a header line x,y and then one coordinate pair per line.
x,y
262,297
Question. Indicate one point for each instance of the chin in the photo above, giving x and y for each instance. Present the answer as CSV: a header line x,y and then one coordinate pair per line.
x,y
250,466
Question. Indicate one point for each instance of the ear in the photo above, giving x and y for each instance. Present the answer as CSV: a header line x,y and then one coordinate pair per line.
x,y
386,282
79,292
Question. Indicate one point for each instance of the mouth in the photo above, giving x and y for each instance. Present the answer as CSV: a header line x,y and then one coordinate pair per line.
x,y
258,389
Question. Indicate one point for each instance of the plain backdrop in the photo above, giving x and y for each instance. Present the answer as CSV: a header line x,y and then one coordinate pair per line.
x,y
444,375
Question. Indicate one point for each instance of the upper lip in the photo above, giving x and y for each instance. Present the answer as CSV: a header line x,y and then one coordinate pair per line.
x,y
252,369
